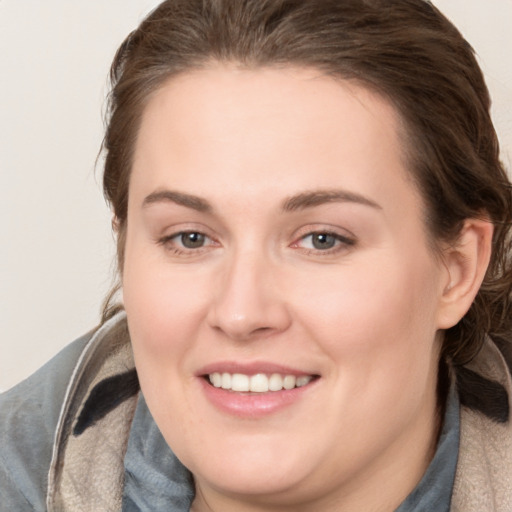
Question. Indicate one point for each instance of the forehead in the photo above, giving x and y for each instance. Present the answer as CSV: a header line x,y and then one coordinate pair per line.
x,y
247,130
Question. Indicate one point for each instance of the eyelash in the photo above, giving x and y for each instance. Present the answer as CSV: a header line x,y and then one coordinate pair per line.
x,y
170,244
341,242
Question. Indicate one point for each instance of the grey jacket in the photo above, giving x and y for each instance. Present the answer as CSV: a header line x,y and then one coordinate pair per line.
x,y
64,433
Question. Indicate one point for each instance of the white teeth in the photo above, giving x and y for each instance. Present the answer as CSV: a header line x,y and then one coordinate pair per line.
x,y
275,383
258,383
302,381
226,381
216,379
239,382
289,382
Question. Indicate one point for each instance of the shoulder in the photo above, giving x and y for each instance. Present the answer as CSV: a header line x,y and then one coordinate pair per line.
x,y
482,482
29,414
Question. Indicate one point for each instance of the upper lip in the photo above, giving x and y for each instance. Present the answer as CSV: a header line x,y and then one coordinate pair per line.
x,y
251,368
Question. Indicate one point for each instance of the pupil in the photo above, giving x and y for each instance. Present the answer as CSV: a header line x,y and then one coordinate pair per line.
x,y
323,241
192,240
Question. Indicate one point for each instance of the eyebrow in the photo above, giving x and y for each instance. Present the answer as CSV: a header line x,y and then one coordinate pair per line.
x,y
319,197
171,196
294,203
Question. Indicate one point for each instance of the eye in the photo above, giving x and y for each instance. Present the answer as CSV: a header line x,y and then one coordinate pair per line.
x,y
186,242
191,240
321,241
324,241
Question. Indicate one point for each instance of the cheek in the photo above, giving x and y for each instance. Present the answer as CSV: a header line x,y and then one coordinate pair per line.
x,y
163,311
163,305
377,327
382,310
162,314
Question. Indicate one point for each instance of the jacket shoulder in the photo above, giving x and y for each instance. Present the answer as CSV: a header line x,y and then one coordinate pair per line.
x,y
29,413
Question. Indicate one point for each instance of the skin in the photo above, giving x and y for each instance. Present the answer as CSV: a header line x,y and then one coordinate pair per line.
x,y
363,315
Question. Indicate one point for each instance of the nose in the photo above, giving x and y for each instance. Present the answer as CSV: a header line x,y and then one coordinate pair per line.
x,y
248,299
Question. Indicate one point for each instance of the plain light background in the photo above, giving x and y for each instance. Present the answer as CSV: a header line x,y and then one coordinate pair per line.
x,y
56,245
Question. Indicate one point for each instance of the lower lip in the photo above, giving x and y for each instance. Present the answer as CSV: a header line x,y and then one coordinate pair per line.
x,y
253,405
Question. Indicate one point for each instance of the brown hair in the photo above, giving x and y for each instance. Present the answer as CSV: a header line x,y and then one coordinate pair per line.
x,y
406,50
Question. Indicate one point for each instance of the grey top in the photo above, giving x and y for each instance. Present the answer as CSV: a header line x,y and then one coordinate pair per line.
x,y
434,492
154,479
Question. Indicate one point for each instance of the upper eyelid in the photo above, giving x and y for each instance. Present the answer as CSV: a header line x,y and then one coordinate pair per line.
x,y
182,232
179,228
338,236
312,229
342,239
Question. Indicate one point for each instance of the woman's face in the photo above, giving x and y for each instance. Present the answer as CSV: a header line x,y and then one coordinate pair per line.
x,y
275,240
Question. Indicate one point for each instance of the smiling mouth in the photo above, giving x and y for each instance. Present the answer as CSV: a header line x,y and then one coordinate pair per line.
x,y
258,383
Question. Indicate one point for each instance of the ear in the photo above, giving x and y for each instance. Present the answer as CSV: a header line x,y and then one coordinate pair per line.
x,y
115,223
466,263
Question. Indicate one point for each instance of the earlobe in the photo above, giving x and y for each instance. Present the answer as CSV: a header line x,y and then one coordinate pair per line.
x,y
466,263
115,224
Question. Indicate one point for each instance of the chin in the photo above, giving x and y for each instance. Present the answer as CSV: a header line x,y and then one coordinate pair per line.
x,y
263,469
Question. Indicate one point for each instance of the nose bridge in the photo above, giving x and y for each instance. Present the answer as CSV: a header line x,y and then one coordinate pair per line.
x,y
247,297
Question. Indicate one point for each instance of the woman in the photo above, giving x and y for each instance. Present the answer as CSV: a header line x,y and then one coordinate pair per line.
x,y
313,236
